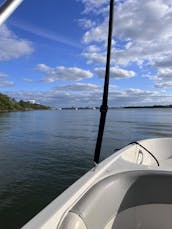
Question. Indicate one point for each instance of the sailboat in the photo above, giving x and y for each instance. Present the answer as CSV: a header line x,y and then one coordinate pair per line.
x,y
130,189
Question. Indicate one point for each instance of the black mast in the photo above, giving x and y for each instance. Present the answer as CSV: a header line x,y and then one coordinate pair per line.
x,y
104,106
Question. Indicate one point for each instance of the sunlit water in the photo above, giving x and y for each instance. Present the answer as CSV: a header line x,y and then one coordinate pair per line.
x,y
43,152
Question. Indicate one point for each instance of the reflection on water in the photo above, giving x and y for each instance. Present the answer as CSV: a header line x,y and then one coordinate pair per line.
x,y
43,152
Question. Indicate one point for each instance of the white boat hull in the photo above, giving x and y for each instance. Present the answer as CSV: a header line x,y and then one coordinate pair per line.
x,y
130,189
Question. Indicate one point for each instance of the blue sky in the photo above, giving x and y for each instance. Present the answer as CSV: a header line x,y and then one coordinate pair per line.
x,y
55,52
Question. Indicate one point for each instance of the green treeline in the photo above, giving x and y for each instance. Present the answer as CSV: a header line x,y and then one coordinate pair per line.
x,y
9,104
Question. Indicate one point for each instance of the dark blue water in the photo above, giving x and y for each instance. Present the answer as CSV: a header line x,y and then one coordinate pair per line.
x,y
43,152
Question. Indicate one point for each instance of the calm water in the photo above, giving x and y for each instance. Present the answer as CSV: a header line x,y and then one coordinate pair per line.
x,y
43,152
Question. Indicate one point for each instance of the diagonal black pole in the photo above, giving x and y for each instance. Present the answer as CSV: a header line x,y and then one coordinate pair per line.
x,y
104,106
7,8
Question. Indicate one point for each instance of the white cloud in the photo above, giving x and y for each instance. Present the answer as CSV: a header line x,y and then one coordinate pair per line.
x,y
139,92
163,61
86,23
143,30
139,20
97,33
116,73
163,85
94,57
163,78
66,95
138,97
3,75
79,87
63,73
135,21
97,6
93,48
28,80
12,47
4,82
165,74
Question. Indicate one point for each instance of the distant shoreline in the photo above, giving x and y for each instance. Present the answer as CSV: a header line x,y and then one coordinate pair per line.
x,y
111,108
8,111
86,108
8,104
147,107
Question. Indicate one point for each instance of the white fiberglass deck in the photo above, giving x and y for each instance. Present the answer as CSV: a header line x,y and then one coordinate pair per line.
x,y
130,189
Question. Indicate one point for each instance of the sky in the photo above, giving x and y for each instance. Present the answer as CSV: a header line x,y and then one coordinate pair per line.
x,y
55,52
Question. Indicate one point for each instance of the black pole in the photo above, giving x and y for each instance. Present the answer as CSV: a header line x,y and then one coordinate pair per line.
x,y
104,106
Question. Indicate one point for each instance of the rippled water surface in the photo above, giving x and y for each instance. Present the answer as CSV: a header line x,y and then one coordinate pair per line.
x,y
43,152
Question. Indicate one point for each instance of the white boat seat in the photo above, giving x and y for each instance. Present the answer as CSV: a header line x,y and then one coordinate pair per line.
x,y
116,194
166,164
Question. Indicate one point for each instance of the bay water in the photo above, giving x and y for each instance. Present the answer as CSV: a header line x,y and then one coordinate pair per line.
x,y
43,152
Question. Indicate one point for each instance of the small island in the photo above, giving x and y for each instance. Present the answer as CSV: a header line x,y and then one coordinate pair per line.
x,y
8,104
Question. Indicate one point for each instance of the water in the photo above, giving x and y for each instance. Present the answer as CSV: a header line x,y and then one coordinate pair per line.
x,y
43,152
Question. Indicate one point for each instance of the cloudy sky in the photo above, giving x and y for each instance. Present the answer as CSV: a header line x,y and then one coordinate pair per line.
x,y
55,52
